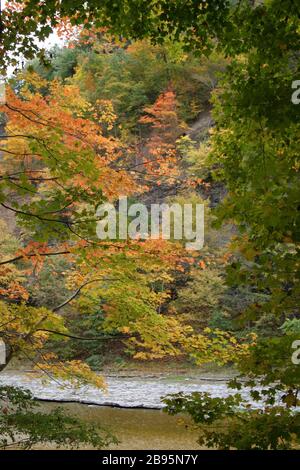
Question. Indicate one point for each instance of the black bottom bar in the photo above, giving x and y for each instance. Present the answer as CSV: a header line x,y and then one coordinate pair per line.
x,y
139,458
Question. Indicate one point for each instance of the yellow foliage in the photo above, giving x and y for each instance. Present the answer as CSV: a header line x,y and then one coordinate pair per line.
x,y
75,373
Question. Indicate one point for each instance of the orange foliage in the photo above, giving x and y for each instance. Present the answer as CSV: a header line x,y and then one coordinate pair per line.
x,y
160,157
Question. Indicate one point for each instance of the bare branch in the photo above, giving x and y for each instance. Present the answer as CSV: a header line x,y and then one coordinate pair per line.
x,y
32,255
30,214
78,291
81,338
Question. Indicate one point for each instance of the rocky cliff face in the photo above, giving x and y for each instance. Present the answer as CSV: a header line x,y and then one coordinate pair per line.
x,y
198,133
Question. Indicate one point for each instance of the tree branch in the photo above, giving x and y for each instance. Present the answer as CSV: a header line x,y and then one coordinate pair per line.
x,y
81,338
31,255
63,304
29,214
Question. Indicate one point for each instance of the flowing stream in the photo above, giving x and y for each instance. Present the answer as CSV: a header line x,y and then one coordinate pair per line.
x,y
125,392
131,407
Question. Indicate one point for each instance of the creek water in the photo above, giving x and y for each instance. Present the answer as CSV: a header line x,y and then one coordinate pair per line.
x,y
136,429
131,407
126,392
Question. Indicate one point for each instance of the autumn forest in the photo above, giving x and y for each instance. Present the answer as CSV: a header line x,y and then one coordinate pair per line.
x,y
178,104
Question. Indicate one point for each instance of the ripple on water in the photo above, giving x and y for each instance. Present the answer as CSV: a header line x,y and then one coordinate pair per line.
x,y
121,391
